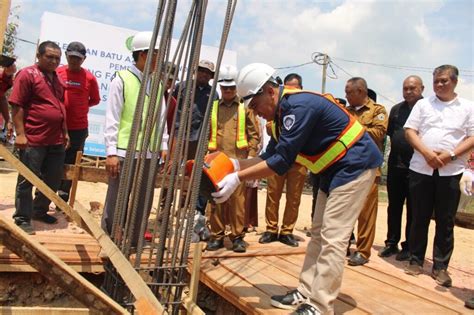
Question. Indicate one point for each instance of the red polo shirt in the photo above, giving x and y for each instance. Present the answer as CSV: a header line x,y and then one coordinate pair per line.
x,y
82,92
6,82
41,100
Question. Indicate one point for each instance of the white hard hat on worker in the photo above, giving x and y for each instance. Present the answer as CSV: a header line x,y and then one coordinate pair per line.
x,y
142,40
227,75
250,87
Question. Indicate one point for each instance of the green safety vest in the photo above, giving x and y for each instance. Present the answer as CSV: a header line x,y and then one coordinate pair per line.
x,y
131,89
336,150
241,137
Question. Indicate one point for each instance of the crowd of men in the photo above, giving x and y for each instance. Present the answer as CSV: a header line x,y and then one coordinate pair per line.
x,y
340,144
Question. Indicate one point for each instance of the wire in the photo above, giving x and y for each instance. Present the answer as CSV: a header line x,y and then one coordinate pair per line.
x,y
400,67
351,76
24,40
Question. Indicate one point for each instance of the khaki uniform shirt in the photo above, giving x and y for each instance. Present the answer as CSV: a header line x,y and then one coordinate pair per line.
x,y
227,124
375,120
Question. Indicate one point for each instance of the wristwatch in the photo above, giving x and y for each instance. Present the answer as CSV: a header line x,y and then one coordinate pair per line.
x,y
453,156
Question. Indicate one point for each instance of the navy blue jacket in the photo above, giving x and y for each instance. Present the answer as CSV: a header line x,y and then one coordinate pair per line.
x,y
310,123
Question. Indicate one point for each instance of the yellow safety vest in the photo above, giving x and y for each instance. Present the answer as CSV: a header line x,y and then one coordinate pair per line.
x,y
336,150
241,137
131,89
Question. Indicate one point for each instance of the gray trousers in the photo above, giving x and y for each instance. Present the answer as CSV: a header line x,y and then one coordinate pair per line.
x,y
142,211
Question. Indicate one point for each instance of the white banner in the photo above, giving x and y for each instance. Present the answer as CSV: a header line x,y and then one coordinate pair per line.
x,y
106,54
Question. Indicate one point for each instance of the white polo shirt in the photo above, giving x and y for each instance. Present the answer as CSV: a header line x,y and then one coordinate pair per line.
x,y
441,126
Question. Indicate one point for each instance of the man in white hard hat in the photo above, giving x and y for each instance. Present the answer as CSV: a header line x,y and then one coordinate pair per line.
x,y
318,133
233,131
123,95
202,92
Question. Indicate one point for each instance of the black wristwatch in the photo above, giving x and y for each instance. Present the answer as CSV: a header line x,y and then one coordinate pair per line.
x,y
453,156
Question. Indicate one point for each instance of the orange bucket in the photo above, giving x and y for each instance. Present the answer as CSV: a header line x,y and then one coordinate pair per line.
x,y
216,166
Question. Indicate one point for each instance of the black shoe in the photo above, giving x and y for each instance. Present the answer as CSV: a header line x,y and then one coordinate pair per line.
x,y
46,218
403,255
268,237
388,251
306,309
357,260
469,303
215,244
288,239
26,227
442,277
289,301
239,246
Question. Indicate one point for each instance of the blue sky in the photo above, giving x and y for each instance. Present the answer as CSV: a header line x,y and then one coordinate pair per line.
x,y
418,34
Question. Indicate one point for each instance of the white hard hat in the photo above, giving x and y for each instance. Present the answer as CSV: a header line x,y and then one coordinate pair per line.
x,y
251,78
227,75
141,41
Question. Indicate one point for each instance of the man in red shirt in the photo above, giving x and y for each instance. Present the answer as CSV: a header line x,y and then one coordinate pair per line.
x,y
39,117
6,82
82,92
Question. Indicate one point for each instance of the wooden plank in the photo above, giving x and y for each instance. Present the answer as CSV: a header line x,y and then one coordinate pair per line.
x,y
81,216
231,287
98,175
23,267
194,283
418,291
387,299
40,310
294,269
75,179
56,270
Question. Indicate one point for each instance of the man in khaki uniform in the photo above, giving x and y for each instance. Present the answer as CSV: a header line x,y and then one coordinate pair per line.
x,y
375,120
294,178
234,131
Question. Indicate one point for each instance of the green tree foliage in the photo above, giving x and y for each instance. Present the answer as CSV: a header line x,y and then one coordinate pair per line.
x,y
10,39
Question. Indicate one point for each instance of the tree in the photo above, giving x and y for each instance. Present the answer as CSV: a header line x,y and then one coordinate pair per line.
x,y
10,39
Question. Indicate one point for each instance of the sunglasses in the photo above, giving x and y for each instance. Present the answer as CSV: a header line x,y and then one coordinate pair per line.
x,y
228,87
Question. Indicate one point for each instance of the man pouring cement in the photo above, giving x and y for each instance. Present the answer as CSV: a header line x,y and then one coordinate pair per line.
x,y
318,133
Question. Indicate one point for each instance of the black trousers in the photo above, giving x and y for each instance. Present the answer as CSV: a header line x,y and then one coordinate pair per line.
x,y
47,162
441,195
77,138
397,189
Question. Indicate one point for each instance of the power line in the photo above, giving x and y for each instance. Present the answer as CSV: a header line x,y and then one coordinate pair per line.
x,y
400,67
24,40
351,76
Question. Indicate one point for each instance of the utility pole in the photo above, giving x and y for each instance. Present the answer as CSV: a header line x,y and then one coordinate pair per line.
x,y
325,66
4,12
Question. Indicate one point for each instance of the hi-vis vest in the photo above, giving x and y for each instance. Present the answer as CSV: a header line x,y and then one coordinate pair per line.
x,y
131,88
336,150
241,137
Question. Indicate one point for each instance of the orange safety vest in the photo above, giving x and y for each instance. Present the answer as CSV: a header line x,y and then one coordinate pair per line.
x,y
241,137
336,150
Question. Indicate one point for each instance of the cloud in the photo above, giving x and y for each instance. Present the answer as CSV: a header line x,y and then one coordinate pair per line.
x,y
420,34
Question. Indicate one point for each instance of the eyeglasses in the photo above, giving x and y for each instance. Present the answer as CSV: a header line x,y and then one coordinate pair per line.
x,y
228,87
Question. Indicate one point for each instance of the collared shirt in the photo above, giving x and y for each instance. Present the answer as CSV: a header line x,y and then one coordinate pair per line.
x,y
374,118
6,82
400,150
41,99
114,111
201,98
82,92
227,125
441,126
312,124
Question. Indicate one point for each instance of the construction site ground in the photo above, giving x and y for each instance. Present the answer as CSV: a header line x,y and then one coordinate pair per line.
x,y
29,289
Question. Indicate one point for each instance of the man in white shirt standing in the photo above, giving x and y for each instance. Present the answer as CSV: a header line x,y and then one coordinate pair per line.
x,y
440,129
123,95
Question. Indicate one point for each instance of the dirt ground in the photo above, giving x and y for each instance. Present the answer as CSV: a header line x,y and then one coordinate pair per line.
x,y
461,265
